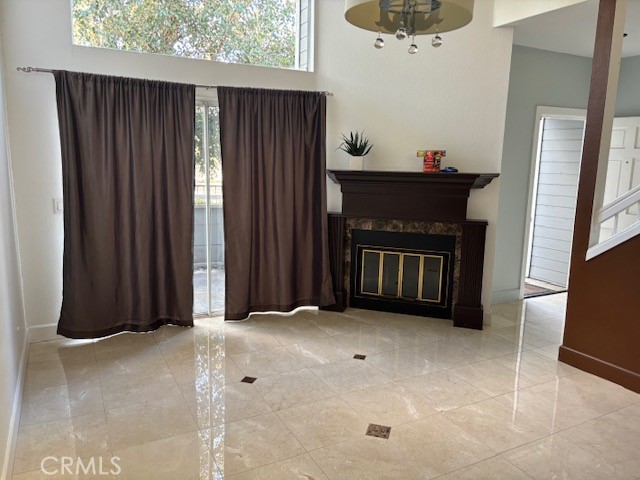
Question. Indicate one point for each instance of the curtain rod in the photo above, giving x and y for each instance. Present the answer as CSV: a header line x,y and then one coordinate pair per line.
x,y
46,70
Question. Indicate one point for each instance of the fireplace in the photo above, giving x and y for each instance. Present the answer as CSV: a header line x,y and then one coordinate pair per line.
x,y
403,243
402,272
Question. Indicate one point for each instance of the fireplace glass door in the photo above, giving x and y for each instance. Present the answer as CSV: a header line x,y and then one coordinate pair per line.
x,y
403,275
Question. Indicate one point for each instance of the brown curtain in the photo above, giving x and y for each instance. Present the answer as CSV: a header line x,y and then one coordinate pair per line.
x,y
273,168
128,175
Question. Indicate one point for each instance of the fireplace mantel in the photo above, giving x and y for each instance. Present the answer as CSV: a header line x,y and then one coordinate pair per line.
x,y
408,195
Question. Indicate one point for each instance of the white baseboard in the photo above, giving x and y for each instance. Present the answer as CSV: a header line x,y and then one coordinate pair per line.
x,y
12,437
505,296
42,333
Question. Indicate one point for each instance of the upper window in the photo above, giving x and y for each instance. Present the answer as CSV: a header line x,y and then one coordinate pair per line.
x,y
270,33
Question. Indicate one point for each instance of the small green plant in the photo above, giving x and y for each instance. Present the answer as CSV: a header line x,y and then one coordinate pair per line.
x,y
356,144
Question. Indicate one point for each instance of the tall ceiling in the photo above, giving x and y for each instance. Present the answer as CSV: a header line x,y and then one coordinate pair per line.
x,y
573,30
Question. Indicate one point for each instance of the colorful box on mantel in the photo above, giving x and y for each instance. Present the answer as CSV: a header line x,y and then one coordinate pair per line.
x,y
431,160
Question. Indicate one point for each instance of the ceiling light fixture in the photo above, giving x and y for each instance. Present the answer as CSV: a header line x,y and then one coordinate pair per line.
x,y
408,18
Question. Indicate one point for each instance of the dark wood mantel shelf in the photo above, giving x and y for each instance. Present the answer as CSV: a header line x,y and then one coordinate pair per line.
x,y
408,195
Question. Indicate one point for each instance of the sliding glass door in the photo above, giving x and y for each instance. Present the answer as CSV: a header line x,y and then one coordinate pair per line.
x,y
208,235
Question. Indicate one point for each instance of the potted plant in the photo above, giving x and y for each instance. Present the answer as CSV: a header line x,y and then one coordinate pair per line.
x,y
357,146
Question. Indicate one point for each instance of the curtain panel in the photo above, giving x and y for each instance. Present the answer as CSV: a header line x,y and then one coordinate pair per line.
x,y
128,176
274,187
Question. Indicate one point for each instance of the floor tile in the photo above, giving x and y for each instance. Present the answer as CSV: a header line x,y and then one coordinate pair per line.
x,y
138,387
149,421
556,457
614,438
323,423
334,323
367,341
130,360
238,341
406,363
62,351
497,425
181,457
52,373
301,467
84,437
495,468
535,366
443,390
63,401
196,371
320,351
569,401
437,446
287,331
389,404
266,362
366,458
213,406
492,378
292,388
256,442
350,375
124,341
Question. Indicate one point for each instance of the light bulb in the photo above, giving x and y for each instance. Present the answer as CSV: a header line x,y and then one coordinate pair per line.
x,y
401,34
436,41
413,49
379,43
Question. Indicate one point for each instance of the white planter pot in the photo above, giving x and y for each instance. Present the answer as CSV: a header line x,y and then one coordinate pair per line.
x,y
356,163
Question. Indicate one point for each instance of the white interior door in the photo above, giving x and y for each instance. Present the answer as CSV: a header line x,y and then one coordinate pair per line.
x,y
623,170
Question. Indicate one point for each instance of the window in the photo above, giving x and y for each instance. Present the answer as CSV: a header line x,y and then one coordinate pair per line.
x,y
270,33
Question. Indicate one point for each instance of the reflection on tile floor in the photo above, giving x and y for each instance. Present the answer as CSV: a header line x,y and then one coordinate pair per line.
x,y
460,404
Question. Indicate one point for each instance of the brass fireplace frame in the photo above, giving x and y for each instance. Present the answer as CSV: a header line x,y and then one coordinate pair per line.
x,y
381,251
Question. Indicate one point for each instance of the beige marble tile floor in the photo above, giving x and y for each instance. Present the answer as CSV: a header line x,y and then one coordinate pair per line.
x,y
461,404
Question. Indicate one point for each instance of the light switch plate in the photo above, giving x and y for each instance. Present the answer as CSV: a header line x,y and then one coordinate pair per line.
x,y
57,205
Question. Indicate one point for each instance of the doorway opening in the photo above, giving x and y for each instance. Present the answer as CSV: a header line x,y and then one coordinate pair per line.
x,y
208,231
557,154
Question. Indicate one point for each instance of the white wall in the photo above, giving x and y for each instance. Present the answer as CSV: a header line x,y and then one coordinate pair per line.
x,y
538,77
13,349
509,11
628,98
454,98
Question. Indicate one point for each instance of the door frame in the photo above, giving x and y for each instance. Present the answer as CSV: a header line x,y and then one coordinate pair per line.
x,y
542,112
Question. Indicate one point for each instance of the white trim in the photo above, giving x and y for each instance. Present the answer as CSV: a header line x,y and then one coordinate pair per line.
x,y
542,111
609,243
311,38
44,333
619,205
16,411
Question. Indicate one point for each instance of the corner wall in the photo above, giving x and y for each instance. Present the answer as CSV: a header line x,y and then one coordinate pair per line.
x,y
453,97
13,336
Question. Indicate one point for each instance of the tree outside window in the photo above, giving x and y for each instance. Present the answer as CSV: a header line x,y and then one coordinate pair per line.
x,y
255,32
